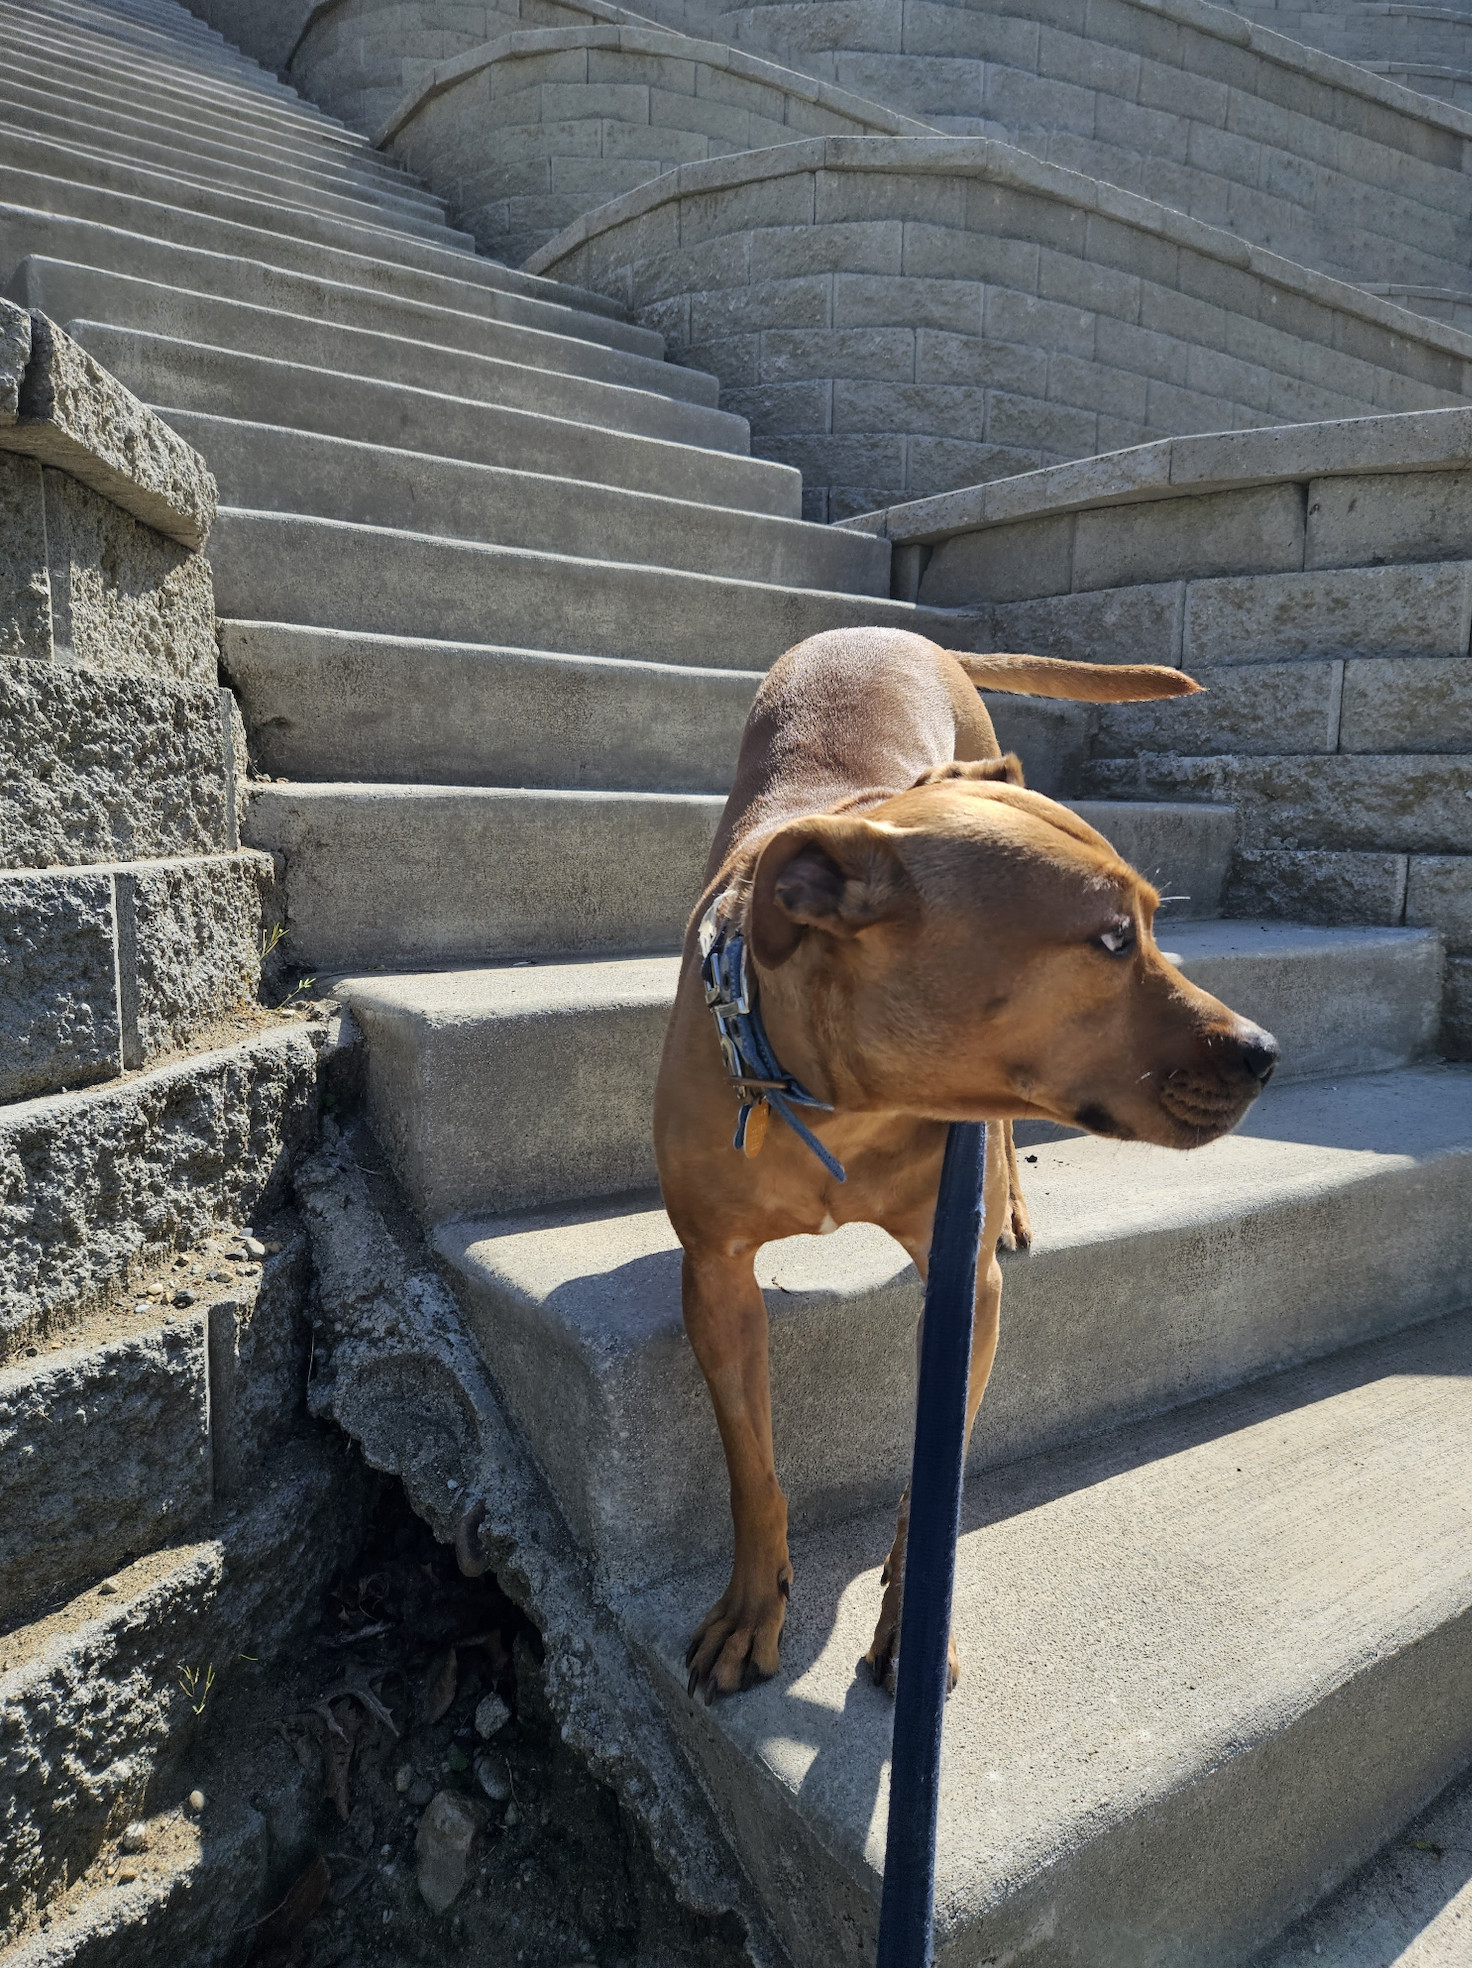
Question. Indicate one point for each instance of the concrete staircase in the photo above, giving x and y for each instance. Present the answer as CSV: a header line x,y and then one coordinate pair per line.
x,y
496,584
1421,47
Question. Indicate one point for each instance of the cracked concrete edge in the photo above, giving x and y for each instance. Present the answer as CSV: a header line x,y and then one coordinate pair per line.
x,y
398,1372
67,410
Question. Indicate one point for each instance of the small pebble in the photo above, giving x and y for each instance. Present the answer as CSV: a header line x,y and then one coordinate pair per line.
x,y
491,1715
135,1838
143,1306
183,1298
513,1816
127,1873
403,1777
217,1277
493,1776
107,1588
196,1800
254,1246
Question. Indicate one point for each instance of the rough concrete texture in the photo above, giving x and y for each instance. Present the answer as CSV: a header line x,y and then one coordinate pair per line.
x,y
96,767
107,1452
110,968
123,597
25,590
399,1373
1287,1666
1289,1238
259,1348
15,353
1439,890
1410,804
197,1882
1421,610
91,1184
1391,705
95,1695
197,947
71,413
1317,886
59,1015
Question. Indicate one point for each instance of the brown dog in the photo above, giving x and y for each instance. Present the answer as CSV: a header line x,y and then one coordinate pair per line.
x,y
925,942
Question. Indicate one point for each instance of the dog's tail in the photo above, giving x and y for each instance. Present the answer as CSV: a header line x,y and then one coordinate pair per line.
x,y
1092,683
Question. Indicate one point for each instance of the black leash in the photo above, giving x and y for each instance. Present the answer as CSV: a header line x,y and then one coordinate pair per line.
x,y
907,1908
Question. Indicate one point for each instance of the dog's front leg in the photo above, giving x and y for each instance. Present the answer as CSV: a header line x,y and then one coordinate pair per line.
x,y
726,1319
884,1650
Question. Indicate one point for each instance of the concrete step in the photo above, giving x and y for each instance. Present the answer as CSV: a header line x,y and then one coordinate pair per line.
x,y
229,171
1208,1665
323,573
1335,1212
266,467
22,154
395,343
94,1692
564,1056
102,126
248,102
323,701
241,265
193,376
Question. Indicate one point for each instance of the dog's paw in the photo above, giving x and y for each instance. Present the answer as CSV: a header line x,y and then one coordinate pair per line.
x,y
884,1653
738,1643
1018,1234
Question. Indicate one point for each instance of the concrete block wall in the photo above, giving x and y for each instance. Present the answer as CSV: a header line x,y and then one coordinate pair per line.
x,y
524,135
1316,581
901,316
1421,47
130,917
1300,153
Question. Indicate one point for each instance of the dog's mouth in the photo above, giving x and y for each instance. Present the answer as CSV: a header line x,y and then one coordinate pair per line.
x,y
1202,1107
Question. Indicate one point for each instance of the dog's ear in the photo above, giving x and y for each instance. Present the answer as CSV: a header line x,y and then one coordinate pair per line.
x,y
1007,769
828,873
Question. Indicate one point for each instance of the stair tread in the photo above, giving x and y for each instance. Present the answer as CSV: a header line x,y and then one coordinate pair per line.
x,y
1135,1619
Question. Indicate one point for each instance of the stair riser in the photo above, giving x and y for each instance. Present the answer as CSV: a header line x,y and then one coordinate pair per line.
x,y
355,331
237,164
236,265
571,1084
265,468
21,155
320,574
319,705
404,348
419,875
178,375
1084,1347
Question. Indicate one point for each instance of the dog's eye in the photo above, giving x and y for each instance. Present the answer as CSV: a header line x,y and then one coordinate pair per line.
x,y
1118,939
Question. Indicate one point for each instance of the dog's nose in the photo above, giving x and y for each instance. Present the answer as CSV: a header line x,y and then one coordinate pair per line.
x,y
1258,1051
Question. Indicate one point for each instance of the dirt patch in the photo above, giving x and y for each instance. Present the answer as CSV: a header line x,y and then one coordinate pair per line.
x,y
417,1714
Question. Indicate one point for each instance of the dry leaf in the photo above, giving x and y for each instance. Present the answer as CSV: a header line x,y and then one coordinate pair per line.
x,y
439,1688
279,1939
343,1722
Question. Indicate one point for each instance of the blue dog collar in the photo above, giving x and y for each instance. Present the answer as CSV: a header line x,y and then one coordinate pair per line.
x,y
751,1065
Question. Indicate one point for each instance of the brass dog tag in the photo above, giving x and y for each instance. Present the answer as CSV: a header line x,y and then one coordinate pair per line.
x,y
756,1129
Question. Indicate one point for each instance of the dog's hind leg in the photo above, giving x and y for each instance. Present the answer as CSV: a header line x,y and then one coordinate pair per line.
x,y
884,1650
726,1319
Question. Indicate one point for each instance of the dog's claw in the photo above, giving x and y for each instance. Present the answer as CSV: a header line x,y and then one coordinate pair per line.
x,y
736,1644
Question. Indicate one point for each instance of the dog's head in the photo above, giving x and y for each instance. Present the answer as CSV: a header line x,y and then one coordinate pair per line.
x,y
969,950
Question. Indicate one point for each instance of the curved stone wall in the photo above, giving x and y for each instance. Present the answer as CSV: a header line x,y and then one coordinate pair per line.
x,y
357,58
902,316
1427,48
1301,153
523,136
